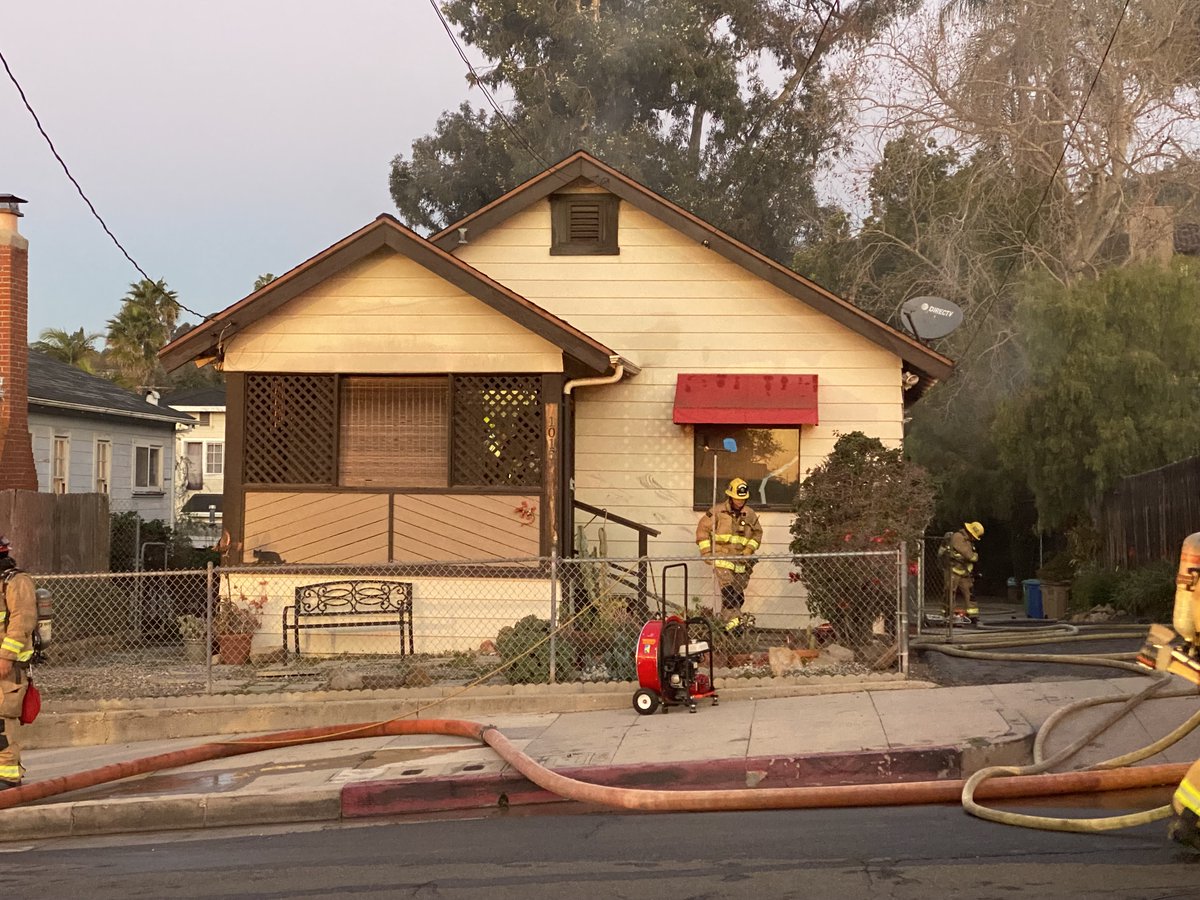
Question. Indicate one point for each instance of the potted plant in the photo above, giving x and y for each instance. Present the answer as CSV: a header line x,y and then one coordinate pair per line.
x,y
194,632
235,625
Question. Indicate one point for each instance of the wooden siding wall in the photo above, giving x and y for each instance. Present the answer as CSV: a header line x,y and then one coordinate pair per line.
x,y
388,315
317,527
56,533
437,527
369,528
1147,516
671,306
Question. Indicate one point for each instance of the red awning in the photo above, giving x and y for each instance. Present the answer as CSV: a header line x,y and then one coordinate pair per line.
x,y
775,400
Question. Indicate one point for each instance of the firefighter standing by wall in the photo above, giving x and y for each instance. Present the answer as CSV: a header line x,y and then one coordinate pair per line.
x,y
961,555
16,649
727,534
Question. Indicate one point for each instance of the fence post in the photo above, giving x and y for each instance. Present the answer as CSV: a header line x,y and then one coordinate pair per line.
x,y
553,612
208,622
902,612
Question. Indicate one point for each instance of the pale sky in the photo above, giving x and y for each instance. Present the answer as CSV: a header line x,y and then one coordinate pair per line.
x,y
218,139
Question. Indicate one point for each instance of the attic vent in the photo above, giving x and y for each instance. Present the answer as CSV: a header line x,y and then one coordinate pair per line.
x,y
584,225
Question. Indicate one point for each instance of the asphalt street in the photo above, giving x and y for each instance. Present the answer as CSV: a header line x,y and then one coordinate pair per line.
x,y
909,853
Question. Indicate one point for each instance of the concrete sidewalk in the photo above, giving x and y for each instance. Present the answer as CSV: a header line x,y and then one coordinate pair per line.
x,y
893,731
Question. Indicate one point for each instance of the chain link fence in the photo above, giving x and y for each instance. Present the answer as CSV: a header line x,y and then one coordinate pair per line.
x,y
261,628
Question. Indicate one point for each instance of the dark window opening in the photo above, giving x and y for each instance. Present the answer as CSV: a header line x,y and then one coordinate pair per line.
x,y
767,458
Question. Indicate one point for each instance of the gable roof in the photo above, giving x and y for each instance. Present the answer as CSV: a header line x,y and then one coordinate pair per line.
x,y
919,358
207,339
56,387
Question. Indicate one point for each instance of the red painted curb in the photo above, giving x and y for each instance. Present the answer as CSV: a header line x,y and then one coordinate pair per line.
x,y
508,788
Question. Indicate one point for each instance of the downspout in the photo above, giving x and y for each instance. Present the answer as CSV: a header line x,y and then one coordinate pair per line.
x,y
568,442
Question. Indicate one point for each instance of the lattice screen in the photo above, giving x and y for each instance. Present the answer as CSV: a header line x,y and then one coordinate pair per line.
x,y
497,431
289,436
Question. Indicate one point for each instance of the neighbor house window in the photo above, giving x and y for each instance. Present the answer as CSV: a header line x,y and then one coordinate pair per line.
x,y
214,458
103,466
193,454
203,419
147,468
60,464
583,225
768,458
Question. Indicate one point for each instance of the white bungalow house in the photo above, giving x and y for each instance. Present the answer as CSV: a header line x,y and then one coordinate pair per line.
x,y
92,436
580,343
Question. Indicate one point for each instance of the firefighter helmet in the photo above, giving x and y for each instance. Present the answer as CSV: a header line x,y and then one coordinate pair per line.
x,y
975,529
738,490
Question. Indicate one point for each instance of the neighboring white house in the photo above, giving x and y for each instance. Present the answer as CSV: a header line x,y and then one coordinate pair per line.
x,y
93,436
200,455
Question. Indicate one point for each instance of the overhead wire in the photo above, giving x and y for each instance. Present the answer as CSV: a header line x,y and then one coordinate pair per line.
x,y
78,187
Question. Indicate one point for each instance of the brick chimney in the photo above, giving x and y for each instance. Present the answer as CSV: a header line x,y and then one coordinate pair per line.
x,y
16,449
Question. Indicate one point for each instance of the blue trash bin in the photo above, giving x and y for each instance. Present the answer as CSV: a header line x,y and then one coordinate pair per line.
x,y
1033,598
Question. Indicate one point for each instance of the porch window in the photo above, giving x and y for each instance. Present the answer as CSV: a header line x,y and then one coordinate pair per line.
x,y
768,458
431,432
394,431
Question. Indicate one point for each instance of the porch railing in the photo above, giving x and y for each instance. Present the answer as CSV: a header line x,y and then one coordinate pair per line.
x,y
636,577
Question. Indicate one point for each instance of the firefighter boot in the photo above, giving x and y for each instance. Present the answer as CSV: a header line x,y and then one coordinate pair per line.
x,y
1184,830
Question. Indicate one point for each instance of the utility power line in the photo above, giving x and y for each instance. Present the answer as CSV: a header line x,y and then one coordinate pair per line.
x,y
37,121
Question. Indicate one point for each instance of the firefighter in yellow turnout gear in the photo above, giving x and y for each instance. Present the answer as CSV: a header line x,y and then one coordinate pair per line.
x,y
727,534
961,556
17,622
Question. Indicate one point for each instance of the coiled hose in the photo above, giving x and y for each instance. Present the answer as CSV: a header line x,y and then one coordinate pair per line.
x,y
994,639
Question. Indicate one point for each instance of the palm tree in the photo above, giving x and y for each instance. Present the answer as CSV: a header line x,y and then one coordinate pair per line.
x,y
143,326
75,348
263,280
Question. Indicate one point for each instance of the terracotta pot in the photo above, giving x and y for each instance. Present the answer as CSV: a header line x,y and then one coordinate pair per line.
x,y
235,648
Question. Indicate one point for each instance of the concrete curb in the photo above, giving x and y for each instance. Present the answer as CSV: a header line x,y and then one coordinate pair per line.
x,y
77,724
418,796
507,788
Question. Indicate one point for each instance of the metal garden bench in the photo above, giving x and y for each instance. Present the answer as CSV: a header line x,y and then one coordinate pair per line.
x,y
350,604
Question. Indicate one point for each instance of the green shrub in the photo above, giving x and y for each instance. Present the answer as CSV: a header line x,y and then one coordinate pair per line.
x,y
534,667
620,659
1148,592
1093,587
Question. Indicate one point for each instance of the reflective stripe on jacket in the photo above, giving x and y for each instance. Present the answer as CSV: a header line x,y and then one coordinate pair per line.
x,y
20,617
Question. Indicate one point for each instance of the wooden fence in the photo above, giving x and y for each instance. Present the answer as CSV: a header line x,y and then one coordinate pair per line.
x,y
1147,516
56,533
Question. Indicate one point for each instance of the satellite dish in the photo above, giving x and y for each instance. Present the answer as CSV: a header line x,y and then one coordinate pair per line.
x,y
930,317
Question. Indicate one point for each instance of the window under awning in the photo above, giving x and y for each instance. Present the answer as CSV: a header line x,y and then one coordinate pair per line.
x,y
771,400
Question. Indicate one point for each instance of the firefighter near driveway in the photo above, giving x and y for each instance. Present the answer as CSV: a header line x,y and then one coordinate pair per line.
x,y
958,555
726,535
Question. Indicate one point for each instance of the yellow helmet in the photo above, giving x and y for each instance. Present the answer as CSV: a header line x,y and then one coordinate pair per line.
x,y
738,489
975,529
